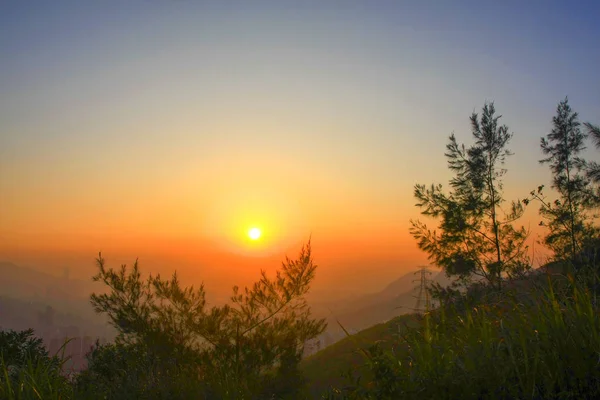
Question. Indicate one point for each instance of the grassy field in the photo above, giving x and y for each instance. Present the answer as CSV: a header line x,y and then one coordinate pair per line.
x,y
538,338
325,368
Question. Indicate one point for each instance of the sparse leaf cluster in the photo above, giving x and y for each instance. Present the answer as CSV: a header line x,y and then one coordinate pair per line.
x,y
475,235
238,348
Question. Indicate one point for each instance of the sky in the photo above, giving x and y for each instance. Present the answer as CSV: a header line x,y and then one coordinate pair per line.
x,y
164,130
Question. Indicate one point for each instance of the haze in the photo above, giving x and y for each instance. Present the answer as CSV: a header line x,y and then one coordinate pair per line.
x,y
166,130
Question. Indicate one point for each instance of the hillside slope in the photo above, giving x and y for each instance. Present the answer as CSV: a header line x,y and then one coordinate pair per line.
x,y
324,369
395,299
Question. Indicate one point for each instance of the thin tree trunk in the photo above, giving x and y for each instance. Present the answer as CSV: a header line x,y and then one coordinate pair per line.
x,y
495,222
571,211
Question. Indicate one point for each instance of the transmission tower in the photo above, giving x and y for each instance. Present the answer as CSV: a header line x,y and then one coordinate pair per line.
x,y
423,296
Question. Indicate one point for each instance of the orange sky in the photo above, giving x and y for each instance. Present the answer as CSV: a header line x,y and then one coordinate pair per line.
x,y
167,130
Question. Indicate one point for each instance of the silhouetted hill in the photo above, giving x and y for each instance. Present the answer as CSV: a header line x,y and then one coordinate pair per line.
x,y
395,299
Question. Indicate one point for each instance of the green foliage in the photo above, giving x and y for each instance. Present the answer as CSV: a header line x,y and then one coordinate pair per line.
x,y
124,371
27,371
593,168
166,332
332,366
543,345
566,218
475,236
17,348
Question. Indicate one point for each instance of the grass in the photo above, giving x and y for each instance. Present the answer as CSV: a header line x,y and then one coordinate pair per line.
x,y
325,368
37,380
539,344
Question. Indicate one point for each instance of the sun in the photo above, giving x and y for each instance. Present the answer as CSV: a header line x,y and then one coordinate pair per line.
x,y
254,233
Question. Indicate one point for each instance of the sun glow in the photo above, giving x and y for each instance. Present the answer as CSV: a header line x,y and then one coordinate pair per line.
x,y
254,233
253,219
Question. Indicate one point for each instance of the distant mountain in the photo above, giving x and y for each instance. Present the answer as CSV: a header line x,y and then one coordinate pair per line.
x,y
395,299
402,285
27,282
60,292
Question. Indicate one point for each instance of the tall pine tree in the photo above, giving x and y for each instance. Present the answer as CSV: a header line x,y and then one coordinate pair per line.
x,y
475,237
566,216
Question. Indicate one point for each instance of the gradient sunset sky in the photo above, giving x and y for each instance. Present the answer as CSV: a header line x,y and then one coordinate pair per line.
x,y
166,129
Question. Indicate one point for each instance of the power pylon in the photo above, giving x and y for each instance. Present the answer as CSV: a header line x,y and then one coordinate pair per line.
x,y
423,296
